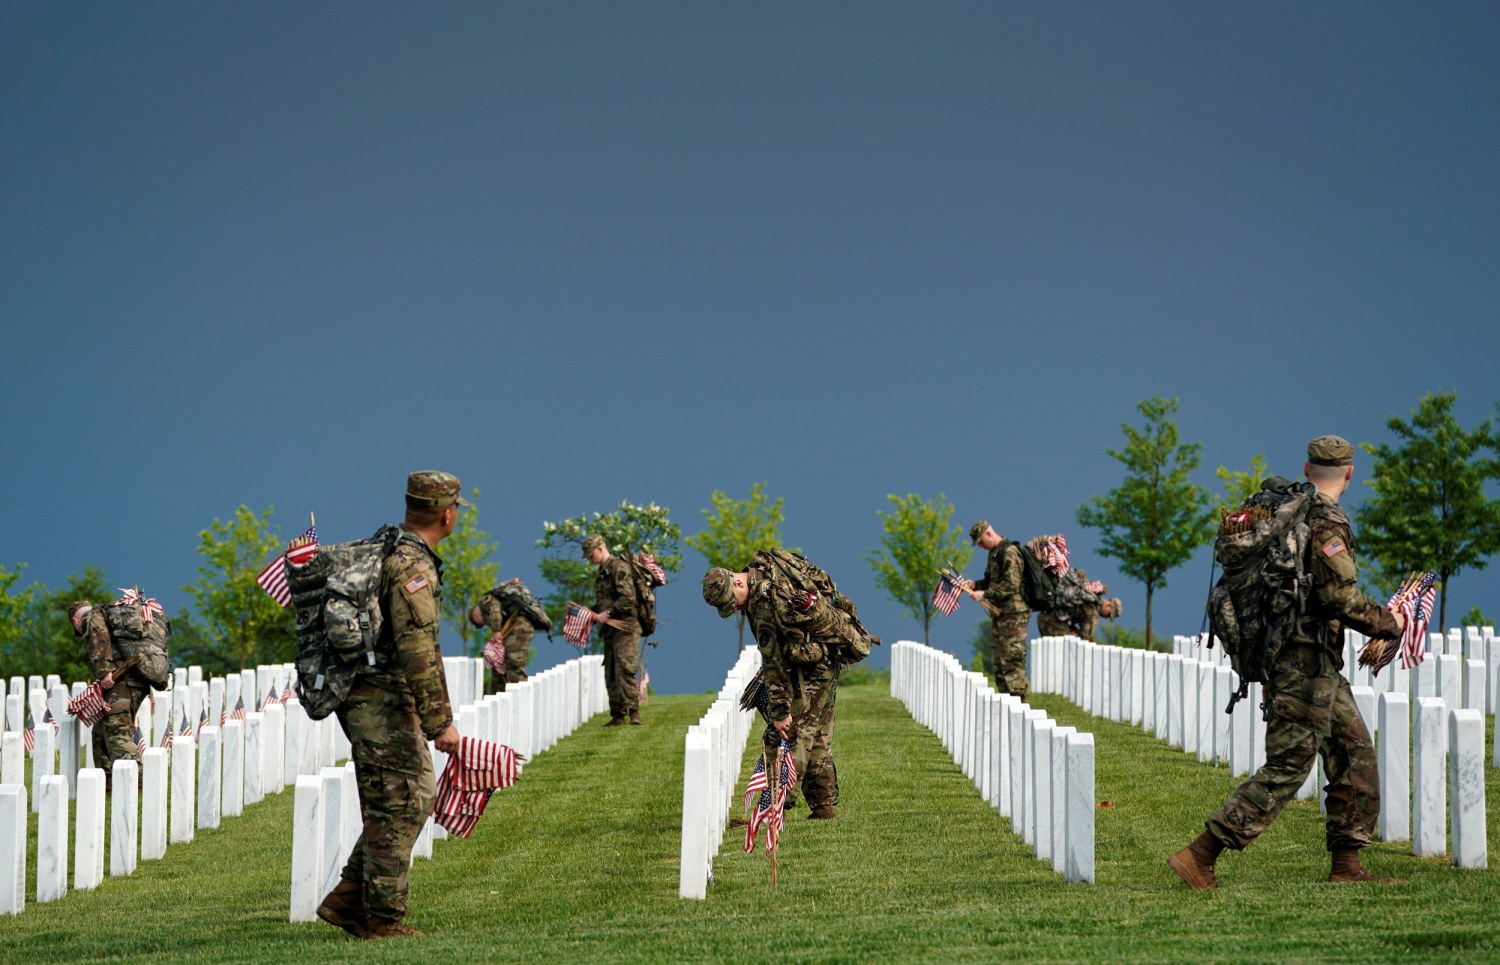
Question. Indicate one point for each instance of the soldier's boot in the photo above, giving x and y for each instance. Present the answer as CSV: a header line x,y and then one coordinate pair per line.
x,y
615,722
1195,863
1346,868
823,812
345,908
635,717
390,928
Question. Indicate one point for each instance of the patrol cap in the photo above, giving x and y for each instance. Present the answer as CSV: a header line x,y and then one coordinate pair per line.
x,y
977,530
430,489
592,542
1330,451
77,605
718,590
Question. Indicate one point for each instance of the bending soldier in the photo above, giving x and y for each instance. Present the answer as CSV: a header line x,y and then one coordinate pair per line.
x,y
506,603
114,736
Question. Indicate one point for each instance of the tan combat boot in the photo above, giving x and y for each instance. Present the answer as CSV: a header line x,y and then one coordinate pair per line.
x,y
635,717
615,722
1195,863
390,928
822,812
345,908
1346,868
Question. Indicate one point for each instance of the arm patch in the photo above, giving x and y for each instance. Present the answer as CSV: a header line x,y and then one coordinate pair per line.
x,y
1333,547
418,582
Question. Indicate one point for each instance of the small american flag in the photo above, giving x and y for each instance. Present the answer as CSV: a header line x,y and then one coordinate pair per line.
x,y
166,733
576,626
270,698
202,721
272,579
140,741
1415,599
1053,552
658,575
494,654
30,737
763,810
89,706
472,775
1096,587
150,609
286,691
239,709
947,595
47,718
187,726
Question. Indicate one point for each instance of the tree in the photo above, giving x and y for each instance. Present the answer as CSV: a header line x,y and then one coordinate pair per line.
x,y
983,661
17,653
918,540
1240,486
736,530
49,632
240,615
1430,511
1154,520
468,572
627,529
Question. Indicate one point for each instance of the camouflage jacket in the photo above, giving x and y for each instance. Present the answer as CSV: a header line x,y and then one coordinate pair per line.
x,y
793,635
411,584
1336,601
1001,583
614,589
99,642
495,616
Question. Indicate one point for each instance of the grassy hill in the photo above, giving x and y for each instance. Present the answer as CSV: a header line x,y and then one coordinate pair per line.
x,y
578,862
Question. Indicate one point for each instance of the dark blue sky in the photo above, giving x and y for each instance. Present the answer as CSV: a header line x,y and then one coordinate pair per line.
x,y
281,254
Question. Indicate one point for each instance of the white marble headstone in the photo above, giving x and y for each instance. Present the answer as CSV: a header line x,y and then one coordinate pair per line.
x,y
1466,788
52,839
307,848
184,794
88,841
154,804
1430,784
124,797
14,815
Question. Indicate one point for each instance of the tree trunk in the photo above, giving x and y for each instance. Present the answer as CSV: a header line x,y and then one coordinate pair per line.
x,y
1150,589
927,629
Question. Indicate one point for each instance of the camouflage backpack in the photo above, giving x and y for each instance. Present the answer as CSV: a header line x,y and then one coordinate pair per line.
x,y
515,599
1262,596
336,596
850,647
645,583
140,630
1039,586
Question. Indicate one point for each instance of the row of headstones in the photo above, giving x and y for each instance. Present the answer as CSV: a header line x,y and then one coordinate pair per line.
x,y
711,766
1181,701
1034,772
530,716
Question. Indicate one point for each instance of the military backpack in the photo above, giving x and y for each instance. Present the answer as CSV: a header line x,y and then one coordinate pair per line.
x,y
849,647
1039,586
516,600
644,581
140,630
336,596
1258,603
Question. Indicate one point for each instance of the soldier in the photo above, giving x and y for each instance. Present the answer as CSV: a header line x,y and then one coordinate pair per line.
x,y
492,611
114,736
1001,588
802,636
614,599
1078,621
1311,709
390,714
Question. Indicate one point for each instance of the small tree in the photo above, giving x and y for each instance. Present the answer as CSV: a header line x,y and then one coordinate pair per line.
x,y
918,540
736,530
1430,511
1240,486
1154,520
19,654
238,614
49,632
468,571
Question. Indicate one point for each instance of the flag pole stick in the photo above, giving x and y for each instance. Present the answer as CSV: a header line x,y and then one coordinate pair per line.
x,y
312,521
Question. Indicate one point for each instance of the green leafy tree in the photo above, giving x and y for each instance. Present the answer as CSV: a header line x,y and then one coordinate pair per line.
x,y
49,632
18,652
1476,618
1429,510
239,615
1240,486
1154,520
193,646
735,529
627,529
918,538
468,571
983,661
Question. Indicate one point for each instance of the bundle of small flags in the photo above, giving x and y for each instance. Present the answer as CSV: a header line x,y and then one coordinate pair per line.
x,y
577,625
299,552
1052,551
150,609
658,575
946,597
1414,599
472,775
89,706
762,808
1096,587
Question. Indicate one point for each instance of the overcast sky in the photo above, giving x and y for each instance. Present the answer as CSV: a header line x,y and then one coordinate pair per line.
x,y
282,254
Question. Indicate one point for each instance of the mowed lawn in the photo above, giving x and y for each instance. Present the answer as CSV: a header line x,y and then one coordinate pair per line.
x,y
578,862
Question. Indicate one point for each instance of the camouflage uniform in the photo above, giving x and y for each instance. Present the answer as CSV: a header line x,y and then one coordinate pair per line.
x,y
390,714
517,642
614,590
1312,710
114,736
1001,585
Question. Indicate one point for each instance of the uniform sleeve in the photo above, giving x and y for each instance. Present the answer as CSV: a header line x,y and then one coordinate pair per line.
x,y
412,589
778,685
100,645
1336,577
622,587
494,616
1005,589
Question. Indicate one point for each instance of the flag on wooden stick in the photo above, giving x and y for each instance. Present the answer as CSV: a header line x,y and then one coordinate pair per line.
x,y
946,597
1413,599
272,579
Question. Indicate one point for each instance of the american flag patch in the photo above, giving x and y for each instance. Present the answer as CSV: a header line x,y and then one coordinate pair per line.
x,y
1333,547
418,582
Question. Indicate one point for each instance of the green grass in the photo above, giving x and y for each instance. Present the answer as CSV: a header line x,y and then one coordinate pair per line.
x,y
579,862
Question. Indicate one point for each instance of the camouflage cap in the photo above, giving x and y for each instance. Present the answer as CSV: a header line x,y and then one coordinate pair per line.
x,y
977,530
1330,451
77,605
592,542
718,591
430,489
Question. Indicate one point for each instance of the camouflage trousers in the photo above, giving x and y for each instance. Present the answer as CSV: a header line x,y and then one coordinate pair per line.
x,y
622,670
1312,714
1008,652
812,746
396,791
517,653
114,737
1078,623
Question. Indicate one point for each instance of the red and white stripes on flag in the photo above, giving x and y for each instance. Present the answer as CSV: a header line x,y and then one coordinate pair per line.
x,y
1095,586
768,810
472,775
150,609
1055,554
89,706
947,596
272,579
494,654
658,575
1414,599
577,625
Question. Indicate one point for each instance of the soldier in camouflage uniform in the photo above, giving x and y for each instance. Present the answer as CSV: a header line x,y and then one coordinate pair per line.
x,y
1312,711
114,736
614,599
1077,621
492,614
390,714
1001,588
